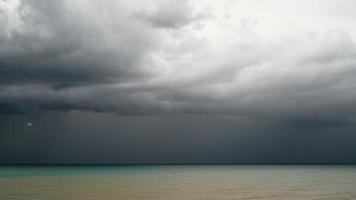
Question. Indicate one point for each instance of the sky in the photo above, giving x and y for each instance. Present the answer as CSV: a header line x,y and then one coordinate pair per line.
x,y
177,81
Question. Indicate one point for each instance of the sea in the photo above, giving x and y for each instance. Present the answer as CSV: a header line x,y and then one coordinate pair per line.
x,y
170,182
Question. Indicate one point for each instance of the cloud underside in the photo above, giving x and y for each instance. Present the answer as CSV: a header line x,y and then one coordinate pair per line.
x,y
170,56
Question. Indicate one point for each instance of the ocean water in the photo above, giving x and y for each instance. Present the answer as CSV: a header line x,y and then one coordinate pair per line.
x,y
178,182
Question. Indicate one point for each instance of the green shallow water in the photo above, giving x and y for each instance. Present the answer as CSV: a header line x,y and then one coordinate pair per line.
x,y
178,182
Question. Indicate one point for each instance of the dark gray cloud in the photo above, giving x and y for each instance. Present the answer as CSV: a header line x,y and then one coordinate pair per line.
x,y
105,57
62,44
103,138
8,108
184,59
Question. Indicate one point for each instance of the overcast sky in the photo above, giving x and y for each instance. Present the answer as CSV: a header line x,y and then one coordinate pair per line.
x,y
177,81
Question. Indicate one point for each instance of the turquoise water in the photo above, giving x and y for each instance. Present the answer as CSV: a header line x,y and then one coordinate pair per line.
x,y
178,182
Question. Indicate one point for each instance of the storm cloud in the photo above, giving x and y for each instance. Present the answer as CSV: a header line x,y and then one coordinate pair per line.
x,y
290,63
175,56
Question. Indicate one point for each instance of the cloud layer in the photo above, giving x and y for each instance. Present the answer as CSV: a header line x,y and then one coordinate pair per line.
x,y
283,60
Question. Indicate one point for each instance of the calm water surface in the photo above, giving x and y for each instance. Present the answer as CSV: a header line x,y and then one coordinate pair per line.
x,y
177,182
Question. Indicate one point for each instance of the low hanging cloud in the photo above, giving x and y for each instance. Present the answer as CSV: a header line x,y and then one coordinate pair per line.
x,y
170,56
72,43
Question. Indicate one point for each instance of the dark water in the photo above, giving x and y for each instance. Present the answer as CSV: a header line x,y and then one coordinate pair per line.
x,y
178,182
